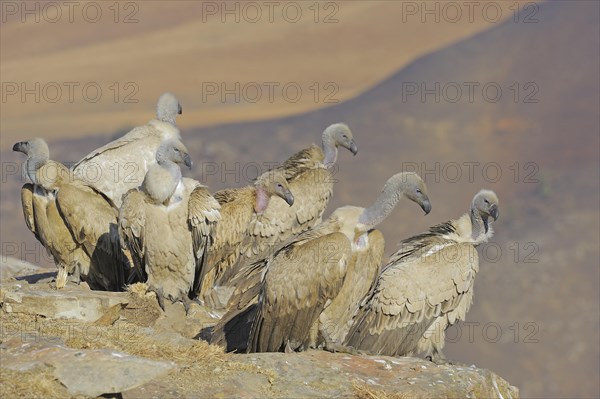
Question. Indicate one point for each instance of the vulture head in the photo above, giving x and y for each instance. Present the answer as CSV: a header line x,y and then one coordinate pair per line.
x,y
162,179
414,188
485,203
337,135
174,151
37,155
269,184
405,184
168,108
34,148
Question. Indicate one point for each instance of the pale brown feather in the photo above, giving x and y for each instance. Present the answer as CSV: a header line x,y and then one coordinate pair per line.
x,y
300,281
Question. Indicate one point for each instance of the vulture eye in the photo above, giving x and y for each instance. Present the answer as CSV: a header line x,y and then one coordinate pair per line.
x,y
279,185
419,191
486,201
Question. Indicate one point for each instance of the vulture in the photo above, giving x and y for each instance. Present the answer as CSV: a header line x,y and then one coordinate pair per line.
x,y
311,273
122,164
309,278
73,221
309,175
242,221
426,287
169,225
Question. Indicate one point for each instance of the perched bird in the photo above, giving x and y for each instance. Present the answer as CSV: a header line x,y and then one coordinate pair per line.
x,y
426,287
75,223
122,164
312,272
309,175
242,220
169,225
314,284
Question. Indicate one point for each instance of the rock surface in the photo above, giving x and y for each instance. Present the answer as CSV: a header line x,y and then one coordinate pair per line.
x,y
81,342
82,372
317,374
72,302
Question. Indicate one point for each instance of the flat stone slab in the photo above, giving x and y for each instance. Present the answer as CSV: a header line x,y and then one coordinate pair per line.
x,y
71,302
320,374
323,374
83,372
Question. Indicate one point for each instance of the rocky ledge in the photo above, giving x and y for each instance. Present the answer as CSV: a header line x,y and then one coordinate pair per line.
x,y
81,343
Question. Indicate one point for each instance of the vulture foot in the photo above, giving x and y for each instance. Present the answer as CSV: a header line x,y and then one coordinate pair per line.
x,y
288,348
439,359
159,297
187,302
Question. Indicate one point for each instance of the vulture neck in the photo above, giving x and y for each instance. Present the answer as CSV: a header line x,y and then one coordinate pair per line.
x,y
31,166
172,168
262,200
161,188
167,110
481,231
168,117
329,150
383,206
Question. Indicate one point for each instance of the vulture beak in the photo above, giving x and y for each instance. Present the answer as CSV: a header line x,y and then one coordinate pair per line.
x,y
187,160
179,109
288,197
353,148
426,206
20,146
494,212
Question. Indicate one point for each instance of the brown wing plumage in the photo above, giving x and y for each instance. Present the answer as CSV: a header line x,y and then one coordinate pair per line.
x,y
312,187
361,275
247,283
308,158
132,225
28,210
92,221
300,280
237,208
203,217
52,231
412,292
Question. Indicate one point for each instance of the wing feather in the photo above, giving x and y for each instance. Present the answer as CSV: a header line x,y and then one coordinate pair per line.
x,y
132,222
28,210
411,293
203,217
298,284
92,221
361,277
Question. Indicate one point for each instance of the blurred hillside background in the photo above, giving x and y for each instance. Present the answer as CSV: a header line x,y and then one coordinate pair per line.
x,y
501,95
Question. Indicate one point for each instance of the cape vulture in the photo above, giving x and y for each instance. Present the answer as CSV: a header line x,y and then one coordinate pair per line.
x,y
75,223
122,164
314,284
426,287
309,175
243,218
169,225
336,260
